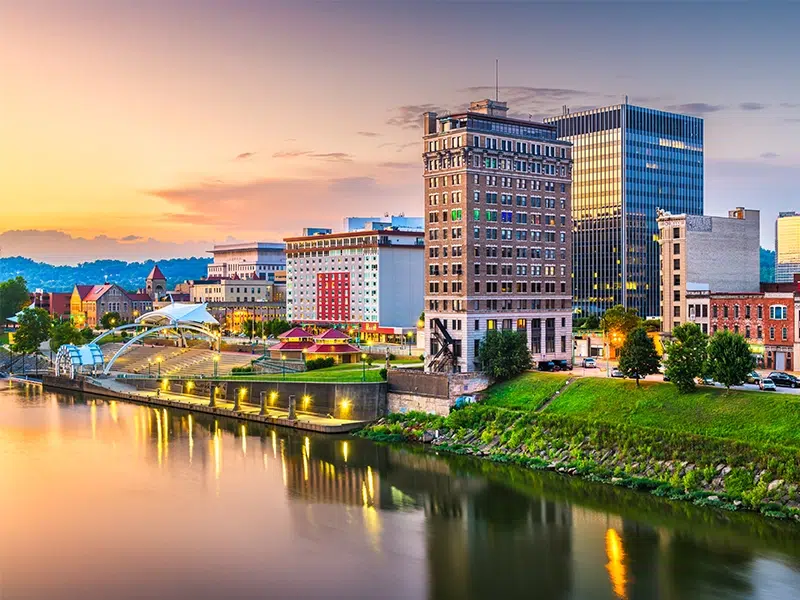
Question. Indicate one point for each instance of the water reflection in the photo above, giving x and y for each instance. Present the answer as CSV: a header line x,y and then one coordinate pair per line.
x,y
295,515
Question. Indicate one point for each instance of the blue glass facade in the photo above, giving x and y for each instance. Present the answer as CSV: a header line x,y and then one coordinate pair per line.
x,y
627,162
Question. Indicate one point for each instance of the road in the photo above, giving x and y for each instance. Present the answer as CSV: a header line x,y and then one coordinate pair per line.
x,y
601,371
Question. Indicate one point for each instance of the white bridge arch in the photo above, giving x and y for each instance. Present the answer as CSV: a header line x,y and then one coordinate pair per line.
x,y
177,316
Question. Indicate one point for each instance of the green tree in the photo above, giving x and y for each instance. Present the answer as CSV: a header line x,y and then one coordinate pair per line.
x,y
686,355
652,325
591,322
62,333
110,320
504,354
87,334
618,322
34,328
729,358
278,326
638,357
13,297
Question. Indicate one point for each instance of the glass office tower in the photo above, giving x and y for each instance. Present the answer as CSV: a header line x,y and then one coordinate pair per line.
x,y
787,246
628,161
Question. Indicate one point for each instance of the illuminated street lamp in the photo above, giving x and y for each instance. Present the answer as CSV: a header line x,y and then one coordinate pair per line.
x,y
283,365
158,360
149,365
363,367
216,362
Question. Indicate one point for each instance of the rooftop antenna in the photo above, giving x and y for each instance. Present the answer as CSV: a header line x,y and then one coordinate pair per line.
x,y
497,80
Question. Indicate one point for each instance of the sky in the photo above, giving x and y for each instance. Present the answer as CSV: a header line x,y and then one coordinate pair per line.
x,y
154,128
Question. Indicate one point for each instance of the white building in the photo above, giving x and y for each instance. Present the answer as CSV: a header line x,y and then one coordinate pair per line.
x,y
370,281
252,260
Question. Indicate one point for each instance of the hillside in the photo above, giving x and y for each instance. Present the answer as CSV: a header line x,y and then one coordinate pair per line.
x,y
130,276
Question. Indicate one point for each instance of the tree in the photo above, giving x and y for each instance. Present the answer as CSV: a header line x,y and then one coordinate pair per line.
x,y
278,326
638,357
618,322
686,356
64,333
110,320
87,334
591,322
34,328
13,297
652,325
729,358
504,354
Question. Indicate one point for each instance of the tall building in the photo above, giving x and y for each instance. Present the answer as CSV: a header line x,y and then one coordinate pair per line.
x,y
628,161
497,228
155,283
254,260
369,281
787,246
698,254
399,222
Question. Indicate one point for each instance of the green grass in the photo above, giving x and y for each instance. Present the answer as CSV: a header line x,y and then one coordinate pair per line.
x,y
526,392
751,417
350,373
3,339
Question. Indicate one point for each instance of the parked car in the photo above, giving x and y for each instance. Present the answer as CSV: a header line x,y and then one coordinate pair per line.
x,y
463,401
615,372
706,381
663,370
563,365
784,379
589,363
547,365
767,385
753,377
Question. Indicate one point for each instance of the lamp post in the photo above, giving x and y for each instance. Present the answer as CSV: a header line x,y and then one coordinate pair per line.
x,y
283,365
265,345
149,366
216,363
363,367
409,335
158,360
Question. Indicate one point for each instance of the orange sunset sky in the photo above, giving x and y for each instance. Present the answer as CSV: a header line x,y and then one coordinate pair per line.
x,y
152,129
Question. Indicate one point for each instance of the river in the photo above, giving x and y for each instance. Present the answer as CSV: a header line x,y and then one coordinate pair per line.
x,y
104,499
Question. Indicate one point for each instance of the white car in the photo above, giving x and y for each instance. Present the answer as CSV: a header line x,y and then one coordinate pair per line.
x,y
589,363
767,385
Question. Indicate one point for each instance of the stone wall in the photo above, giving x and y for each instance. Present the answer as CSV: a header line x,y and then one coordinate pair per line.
x,y
402,403
430,392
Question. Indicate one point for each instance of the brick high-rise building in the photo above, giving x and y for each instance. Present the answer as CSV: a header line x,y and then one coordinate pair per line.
x,y
498,235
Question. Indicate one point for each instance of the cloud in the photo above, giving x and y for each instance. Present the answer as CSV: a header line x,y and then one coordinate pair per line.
x,y
790,105
400,165
792,120
696,108
282,206
409,116
245,155
327,156
752,106
368,134
60,248
527,95
769,155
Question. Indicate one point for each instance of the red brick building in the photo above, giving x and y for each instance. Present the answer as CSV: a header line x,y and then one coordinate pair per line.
x,y
767,319
56,303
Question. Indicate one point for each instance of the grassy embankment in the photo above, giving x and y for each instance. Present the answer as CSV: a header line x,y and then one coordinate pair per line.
x,y
726,449
750,417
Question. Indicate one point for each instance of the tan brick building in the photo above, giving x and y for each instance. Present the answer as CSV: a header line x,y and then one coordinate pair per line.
x,y
498,234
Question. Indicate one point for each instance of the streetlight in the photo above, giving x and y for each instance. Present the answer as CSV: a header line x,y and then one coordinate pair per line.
x,y
216,362
363,367
283,365
408,335
158,360
149,365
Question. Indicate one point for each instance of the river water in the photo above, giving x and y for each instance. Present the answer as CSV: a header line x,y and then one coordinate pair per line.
x,y
103,499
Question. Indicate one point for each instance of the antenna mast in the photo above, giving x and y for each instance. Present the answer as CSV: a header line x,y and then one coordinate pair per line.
x,y
497,80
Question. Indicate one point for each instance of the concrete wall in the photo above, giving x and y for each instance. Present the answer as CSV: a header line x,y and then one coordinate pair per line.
x,y
428,392
724,253
401,279
358,401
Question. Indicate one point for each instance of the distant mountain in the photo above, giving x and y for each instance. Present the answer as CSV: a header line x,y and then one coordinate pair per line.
x,y
767,265
130,276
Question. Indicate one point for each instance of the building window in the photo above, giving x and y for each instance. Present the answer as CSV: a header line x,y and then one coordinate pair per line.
x,y
735,311
777,312
676,280
746,311
491,324
714,311
676,248
676,311
772,333
676,264
725,311
676,233
747,331
759,333
760,312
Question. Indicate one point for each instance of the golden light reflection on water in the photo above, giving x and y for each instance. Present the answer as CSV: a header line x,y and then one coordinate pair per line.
x,y
616,563
243,434
93,416
159,443
113,411
191,439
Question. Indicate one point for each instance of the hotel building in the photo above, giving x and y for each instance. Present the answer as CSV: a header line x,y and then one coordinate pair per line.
x,y
255,260
366,281
628,161
498,235
700,253
787,246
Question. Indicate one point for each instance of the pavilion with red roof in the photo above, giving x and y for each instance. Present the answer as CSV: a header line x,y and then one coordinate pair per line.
x,y
292,344
333,343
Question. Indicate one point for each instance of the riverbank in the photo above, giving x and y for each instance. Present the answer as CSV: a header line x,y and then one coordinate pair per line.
x,y
647,441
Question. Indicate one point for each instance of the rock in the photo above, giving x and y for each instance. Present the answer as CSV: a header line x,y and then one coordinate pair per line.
x,y
737,503
428,436
713,498
616,480
774,484
720,466
725,471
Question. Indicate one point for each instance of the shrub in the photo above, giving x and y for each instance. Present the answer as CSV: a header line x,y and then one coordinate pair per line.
x,y
383,373
319,363
392,356
504,354
738,481
240,370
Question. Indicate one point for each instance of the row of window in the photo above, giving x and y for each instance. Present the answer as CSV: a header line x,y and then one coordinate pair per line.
x,y
777,312
505,304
